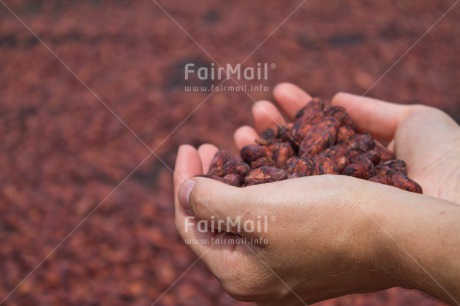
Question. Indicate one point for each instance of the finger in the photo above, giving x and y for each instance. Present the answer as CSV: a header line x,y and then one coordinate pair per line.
x,y
207,152
266,115
245,135
290,98
188,164
218,203
379,118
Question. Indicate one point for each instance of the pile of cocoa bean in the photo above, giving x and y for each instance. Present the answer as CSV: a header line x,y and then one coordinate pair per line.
x,y
321,140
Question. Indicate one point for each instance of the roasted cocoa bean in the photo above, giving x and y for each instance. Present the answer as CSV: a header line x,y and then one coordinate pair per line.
x,y
264,175
253,152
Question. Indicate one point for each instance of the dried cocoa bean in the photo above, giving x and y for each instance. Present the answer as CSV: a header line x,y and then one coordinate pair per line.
x,y
282,151
321,136
344,133
291,163
220,159
303,125
324,165
373,155
264,175
385,154
264,161
357,170
397,165
304,166
403,182
233,180
286,134
237,167
379,179
253,152
337,154
363,160
340,114
315,104
361,142
267,137
216,167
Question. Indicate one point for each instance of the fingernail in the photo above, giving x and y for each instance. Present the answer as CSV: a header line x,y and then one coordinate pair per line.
x,y
184,194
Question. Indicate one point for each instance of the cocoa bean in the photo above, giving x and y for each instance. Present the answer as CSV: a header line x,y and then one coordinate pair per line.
x,y
403,182
320,141
324,165
264,175
357,170
216,167
314,104
340,114
282,151
321,136
253,152
385,153
344,133
264,161
233,180
267,137
303,167
379,179
237,167
373,155
363,160
361,142
397,165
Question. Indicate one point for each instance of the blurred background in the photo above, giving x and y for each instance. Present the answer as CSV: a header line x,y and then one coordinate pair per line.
x,y
65,156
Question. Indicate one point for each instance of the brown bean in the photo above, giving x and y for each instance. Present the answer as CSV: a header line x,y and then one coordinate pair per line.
x,y
252,152
264,175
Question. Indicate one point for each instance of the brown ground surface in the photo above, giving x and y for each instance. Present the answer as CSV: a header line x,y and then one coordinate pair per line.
x,y
63,152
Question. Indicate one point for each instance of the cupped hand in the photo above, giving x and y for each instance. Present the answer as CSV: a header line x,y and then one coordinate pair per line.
x,y
425,137
321,236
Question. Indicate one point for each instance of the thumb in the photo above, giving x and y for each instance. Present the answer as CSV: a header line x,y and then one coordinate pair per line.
x,y
226,208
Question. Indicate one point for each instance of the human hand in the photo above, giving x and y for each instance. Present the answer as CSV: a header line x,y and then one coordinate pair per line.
x,y
333,235
427,139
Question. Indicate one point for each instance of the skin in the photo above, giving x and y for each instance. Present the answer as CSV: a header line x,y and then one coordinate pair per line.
x,y
334,235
